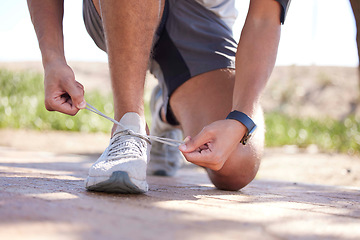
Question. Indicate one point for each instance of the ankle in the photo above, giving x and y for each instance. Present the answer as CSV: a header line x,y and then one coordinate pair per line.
x,y
130,121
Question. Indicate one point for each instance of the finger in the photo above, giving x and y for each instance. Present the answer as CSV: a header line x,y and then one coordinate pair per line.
x,y
204,158
67,105
198,156
201,154
76,93
204,137
63,104
72,111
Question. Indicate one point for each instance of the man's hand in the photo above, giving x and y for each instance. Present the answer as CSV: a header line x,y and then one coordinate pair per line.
x,y
214,144
62,92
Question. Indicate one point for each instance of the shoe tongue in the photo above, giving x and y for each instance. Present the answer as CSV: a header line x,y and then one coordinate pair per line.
x,y
132,121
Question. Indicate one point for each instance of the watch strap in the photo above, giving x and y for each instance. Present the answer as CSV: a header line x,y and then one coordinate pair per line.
x,y
246,121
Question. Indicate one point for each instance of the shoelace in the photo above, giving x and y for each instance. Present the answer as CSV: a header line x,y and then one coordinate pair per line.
x,y
168,141
129,148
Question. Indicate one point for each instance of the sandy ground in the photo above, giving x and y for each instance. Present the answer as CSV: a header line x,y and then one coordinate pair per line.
x,y
288,163
42,197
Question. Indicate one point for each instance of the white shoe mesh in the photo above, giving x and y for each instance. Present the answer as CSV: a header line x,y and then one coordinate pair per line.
x,y
125,145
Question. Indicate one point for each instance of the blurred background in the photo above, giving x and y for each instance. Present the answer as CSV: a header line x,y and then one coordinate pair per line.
x,y
311,101
317,32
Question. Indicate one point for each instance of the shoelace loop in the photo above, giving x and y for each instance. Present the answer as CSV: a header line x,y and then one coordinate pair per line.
x,y
132,133
129,148
168,141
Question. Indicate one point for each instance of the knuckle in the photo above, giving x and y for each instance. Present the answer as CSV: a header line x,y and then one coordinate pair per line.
x,y
79,85
82,91
49,109
78,88
207,130
48,106
72,113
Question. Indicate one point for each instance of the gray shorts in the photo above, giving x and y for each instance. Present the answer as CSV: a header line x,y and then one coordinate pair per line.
x,y
190,40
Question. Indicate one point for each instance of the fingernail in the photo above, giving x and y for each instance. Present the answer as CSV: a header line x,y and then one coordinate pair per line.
x,y
187,139
182,147
82,105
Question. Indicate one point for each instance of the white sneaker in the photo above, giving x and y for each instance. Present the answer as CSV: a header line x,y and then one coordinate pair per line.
x,y
165,160
122,166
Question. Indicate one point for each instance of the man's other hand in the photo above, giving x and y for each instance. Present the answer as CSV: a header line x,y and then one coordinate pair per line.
x,y
214,144
62,92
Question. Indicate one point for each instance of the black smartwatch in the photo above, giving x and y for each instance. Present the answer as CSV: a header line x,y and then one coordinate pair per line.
x,y
247,121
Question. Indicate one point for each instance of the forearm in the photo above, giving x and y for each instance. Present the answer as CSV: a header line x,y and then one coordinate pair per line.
x,y
255,60
62,92
47,18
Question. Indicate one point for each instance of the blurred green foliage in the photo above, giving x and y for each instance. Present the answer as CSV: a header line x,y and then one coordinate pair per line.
x,y
328,134
22,106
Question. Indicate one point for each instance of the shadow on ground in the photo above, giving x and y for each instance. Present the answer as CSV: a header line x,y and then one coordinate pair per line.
x,y
42,196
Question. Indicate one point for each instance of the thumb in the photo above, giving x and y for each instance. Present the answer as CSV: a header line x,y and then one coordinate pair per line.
x,y
192,144
76,92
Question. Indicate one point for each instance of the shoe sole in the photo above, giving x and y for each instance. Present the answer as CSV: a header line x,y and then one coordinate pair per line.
x,y
119,182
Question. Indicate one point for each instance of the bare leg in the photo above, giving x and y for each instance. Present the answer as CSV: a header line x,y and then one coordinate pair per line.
x,y
207,98
129,29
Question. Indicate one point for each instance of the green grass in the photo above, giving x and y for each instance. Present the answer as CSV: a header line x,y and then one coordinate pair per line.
x,y
22,106
327,134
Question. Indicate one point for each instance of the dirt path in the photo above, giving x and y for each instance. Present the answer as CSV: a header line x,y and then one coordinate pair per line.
x,y
42,197
286,164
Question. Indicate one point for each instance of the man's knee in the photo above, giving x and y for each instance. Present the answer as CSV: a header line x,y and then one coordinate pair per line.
x,y
238,178
242,166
